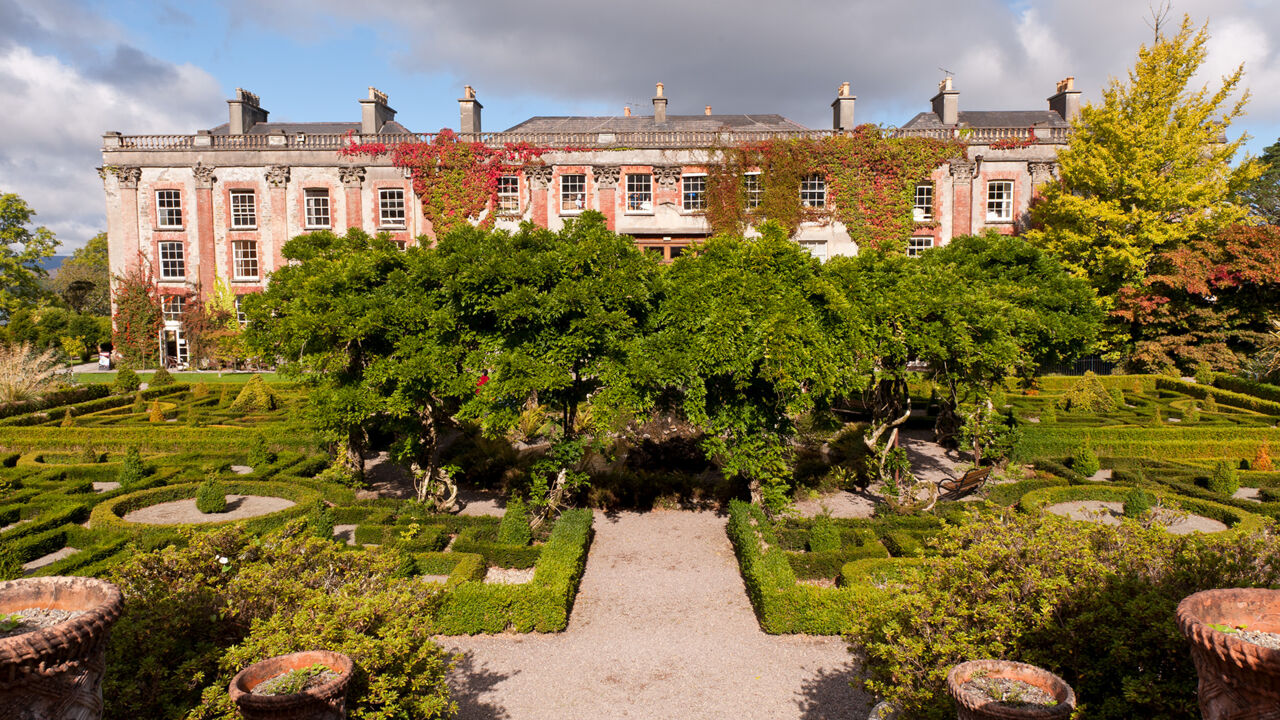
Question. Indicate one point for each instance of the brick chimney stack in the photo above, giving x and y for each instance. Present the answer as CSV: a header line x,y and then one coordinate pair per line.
x,y
246,111
470,108
842,108
659,106
374,112
946,104
1066,101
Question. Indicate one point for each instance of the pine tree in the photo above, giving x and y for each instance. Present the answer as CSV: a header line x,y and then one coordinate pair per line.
x,y
1263,194
1147,169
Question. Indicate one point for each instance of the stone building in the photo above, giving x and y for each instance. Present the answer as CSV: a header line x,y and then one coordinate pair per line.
x,y
217,206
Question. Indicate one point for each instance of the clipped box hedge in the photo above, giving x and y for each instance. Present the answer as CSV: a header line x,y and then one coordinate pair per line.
x,y
109,515
166,438
1234,518
483,540
1245,386
541,605
1221,395
57,398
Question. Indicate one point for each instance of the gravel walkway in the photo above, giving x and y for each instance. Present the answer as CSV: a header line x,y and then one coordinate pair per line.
x,y
184,512
662,628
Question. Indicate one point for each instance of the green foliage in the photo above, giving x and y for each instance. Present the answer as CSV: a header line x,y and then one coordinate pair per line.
x,y
1091,603
1136,503
292,682
191,621
68,420
255,397
1087,394
126,380
132,471
156,413
1192,413
1084,461
320,521
1225,479
1210,403
211,497
139,315
21,250
200,390
514,528
1204,373
260,454
160,378
823,536
83,280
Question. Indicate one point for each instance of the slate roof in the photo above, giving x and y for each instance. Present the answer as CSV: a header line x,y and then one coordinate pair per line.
x,y
319,128
641,123
992,118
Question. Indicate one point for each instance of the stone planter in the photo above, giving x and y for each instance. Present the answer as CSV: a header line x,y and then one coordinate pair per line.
x,y
974,706
1238,680
322,702
56,673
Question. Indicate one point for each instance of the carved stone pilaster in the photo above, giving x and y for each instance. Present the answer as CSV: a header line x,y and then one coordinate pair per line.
x,y
539,176
277,175
204,175
1041,172
128,177
606,176
351,176
408,172
666,174
963,170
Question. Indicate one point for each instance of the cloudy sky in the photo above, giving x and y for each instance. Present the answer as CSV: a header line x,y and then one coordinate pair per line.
x,y
72,69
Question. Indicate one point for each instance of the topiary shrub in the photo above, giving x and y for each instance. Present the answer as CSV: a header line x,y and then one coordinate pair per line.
x,y
320,521
160,378
126,380
1225,478
823,535
225,398
1204,373
156,414
1136,503
132,471
260,454
200,391
1084,461
1210,403
210,498
1087,394
255,397
1192,413
1262,458
514,528
68,420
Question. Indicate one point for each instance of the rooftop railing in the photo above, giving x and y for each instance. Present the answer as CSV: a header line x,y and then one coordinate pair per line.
x,y
575,140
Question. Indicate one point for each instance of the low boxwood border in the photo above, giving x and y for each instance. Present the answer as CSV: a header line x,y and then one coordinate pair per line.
x,y
1234,518
867,572
109,515
541,605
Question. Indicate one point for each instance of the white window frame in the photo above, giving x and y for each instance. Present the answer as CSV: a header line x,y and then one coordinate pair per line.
x,y
391,209
242,217
639,194
167,310
244,256
753,186
313,207
1000,206
509,195
240,316
817,249
813,191
693,192
172,255
917,244
169,209
573,193
922,203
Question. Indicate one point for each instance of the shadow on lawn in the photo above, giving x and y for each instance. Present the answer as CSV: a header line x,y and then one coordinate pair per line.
x,y
829,696
468,684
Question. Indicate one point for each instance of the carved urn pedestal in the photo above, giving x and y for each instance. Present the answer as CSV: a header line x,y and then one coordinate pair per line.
x,y
326,701
971,705
55,673
1238,680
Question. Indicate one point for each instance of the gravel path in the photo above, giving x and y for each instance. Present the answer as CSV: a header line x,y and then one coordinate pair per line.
x,y
184,512
1109,513
662,628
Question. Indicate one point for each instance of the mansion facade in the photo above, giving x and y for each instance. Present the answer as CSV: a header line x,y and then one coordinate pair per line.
x,y
217,206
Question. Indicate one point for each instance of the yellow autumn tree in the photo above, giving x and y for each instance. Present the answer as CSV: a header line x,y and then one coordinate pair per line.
x,y
1146,169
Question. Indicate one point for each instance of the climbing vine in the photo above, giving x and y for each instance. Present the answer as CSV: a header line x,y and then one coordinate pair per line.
x,y
138,317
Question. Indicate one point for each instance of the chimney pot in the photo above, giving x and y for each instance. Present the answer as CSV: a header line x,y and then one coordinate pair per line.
x,y
1066,101
707,111
245,111
946,104
626,111
469,108
374,112
842,108
659,90
659,106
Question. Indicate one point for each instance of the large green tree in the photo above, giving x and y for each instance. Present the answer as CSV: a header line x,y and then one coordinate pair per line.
x,y
22,247
1148,169
1263,194
83,281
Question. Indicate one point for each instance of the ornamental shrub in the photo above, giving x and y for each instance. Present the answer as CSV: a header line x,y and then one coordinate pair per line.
x,y
1225,478
255,397
132,471
156,414
1204,374
1192,413
823,535
160,378
1084,462
1104,599
1262,458
126,380
1087,394
260,454
201,390
68,420
1136,502
514,528
320,522
1210,403
211,498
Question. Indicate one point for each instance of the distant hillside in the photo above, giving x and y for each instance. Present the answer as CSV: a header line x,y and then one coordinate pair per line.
x,y
53,262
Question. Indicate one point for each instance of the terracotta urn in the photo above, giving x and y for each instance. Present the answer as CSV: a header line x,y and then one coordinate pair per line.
x,y
1238,680
55,673
326,701
972,705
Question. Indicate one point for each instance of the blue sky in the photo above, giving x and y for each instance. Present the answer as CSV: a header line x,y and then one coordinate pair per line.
x,y
72,69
